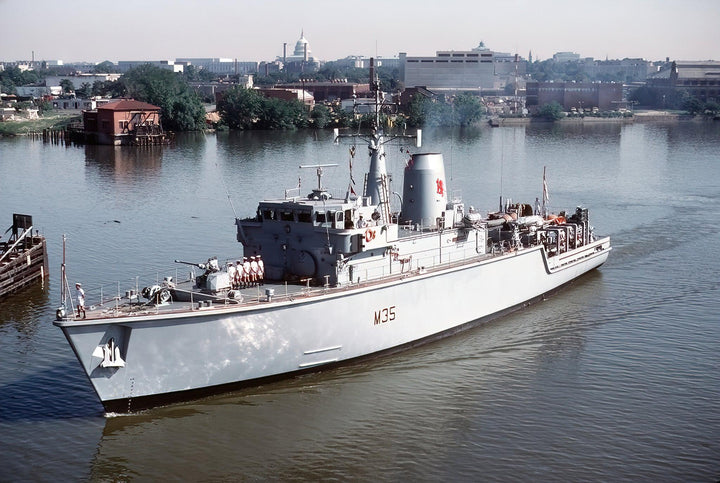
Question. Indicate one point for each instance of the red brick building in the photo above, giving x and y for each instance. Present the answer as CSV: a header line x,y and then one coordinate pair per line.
x,y
125,121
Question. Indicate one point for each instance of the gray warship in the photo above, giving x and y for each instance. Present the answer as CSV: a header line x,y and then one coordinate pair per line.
x,y
429,270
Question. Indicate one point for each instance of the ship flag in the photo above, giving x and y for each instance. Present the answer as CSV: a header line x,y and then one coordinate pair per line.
x,y
545,195
352,180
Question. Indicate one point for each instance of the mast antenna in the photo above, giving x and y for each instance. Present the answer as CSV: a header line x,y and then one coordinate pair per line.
x,y
227,192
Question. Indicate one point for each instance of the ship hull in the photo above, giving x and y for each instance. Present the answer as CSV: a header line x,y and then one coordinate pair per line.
x,y
183,356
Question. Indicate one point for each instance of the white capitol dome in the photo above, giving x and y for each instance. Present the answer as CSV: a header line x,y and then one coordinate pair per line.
x,y
300,47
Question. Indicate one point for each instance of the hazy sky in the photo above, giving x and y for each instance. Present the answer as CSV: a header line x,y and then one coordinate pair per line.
x,y
97,30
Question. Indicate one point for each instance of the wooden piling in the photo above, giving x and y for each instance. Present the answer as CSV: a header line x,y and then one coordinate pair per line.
x,y
24,265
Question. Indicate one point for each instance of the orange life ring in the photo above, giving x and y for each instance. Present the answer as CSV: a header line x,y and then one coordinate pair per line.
x,y
369,235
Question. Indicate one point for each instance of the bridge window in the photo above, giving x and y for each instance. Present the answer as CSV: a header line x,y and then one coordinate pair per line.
x,y
286,216
304,217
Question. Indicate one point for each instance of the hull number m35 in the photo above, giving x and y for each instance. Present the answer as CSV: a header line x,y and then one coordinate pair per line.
x,y
383,315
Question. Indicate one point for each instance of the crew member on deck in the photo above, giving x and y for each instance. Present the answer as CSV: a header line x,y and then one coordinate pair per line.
x,y
237,283
261,270
246,273
80,299
253,271
231,274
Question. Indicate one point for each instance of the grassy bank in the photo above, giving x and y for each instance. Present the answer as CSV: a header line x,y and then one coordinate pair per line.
x,y
50,120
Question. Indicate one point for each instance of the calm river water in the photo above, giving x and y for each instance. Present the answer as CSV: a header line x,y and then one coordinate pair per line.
x,y
616,377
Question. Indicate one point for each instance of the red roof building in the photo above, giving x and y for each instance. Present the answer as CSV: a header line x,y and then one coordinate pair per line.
x,y
125,121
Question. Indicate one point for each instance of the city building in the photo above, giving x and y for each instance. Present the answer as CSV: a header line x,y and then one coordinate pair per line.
x,y
38,91
623,70
218,65
267,68
700,79
301,59
125,65
605,96
289,95
329,91
210,90
78,80
74,104
479,69
362,62
566,57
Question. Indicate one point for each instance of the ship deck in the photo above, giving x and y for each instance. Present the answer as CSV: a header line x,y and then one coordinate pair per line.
x,y
133,305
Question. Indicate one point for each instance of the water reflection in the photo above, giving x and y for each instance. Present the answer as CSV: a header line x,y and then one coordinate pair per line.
x,y
622,363
22,310
598,132
122,163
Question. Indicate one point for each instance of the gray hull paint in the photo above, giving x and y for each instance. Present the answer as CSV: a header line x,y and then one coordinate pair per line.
x,y
180,356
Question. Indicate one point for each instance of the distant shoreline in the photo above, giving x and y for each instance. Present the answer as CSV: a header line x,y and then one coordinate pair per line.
x,y
638,116
57,120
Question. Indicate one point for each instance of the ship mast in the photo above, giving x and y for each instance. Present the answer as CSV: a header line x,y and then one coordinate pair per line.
x,y
377,185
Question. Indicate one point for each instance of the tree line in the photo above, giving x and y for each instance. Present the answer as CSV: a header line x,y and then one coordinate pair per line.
x,y
183,110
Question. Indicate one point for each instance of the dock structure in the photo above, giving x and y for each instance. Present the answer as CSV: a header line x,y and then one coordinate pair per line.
x,y
23,256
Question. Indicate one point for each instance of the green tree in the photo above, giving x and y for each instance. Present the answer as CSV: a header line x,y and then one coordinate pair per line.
x,y
320,116
552,111
274,78
13,77
712,109
464,110
468,109
185,113
182,110
67,86
85,90
341,117
389,78
439,113
281,114
694,106
416,111
192,73
45,106
240,108
645,96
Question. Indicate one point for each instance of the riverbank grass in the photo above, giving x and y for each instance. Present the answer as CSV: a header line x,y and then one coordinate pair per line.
x,y
50,120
